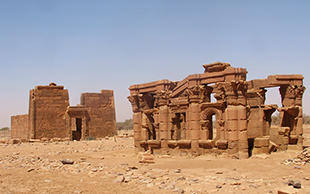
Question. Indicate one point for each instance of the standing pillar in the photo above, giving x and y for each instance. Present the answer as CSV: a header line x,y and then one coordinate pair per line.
x,y
84,130
196,94
194,126
137,127
163,128
236,117
137,121
32,115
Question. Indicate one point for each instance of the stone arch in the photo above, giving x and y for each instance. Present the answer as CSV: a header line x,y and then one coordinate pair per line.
x,y
207,125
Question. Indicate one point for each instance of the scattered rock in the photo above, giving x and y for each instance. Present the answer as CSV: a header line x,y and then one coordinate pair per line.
x,y
178,190
30,169
65,161
218,186
177,170
119,179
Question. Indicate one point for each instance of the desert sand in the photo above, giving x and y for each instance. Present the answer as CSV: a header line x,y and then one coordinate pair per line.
x,y
110,166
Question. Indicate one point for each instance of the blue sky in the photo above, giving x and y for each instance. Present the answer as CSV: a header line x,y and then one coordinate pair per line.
x,y
91,45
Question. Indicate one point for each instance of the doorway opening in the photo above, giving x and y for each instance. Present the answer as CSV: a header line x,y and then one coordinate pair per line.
x,y
76,135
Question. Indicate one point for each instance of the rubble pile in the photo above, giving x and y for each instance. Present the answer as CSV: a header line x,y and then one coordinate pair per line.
x,y
301,159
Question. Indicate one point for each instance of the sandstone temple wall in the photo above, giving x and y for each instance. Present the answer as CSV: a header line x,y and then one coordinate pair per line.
x,y
101,110
19,126
175,117
50,115
47,108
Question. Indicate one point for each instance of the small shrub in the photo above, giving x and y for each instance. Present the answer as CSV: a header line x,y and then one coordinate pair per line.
x,y
90,138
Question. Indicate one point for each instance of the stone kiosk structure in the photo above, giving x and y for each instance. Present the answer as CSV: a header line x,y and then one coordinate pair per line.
x,y
176,117
50,115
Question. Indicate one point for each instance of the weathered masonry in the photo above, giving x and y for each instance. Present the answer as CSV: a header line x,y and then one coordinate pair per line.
x,y
50,115
176,117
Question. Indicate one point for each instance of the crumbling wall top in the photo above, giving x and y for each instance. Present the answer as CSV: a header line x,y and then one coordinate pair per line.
x,y
216,67
51,86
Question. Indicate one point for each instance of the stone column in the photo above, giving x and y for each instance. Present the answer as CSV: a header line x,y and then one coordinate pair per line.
x,y
32,117
84,131
236,117
156,125
137,121
163,128
162,99
137,126
196,94
68,126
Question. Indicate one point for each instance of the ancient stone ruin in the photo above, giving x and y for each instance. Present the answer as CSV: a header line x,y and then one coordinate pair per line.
x,y
175,117
50,115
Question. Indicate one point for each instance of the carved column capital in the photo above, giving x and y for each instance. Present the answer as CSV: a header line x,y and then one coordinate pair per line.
x,y
134,100
233,92
162,97
196,93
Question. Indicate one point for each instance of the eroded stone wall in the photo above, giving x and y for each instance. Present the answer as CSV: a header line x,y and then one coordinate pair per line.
x,y
101,110
19,126
47,108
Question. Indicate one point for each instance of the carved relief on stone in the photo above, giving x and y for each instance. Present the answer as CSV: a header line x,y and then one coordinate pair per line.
x,y
261,93
196,92
220,92
291,92
133,99
220,123
141,102
299,91
234,92
162,98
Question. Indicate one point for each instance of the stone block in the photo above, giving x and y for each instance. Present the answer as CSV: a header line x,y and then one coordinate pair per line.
x,y
195,108
195,117
222,144
145,157
283,131
232,114
206,144
287,190
163,117
242,125
184,143
232,144
260,150
285,140
232,151
272,147
243,144
243,136
233,135
242,113
136,118
261,142
232,125
243,154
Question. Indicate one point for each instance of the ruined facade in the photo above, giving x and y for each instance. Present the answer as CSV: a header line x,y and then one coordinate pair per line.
x,y
20,125
177,117
50,115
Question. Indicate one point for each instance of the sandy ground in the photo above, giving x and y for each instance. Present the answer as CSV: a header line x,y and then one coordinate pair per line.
x,y
106,166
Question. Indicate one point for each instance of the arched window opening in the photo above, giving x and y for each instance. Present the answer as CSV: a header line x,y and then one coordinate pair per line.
x,y
214,126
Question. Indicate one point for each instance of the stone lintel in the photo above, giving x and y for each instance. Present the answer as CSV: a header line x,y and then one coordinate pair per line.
x,y
215,67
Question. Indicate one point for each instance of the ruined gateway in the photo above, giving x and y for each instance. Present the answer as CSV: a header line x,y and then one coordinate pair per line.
x,y
175,117
50,115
